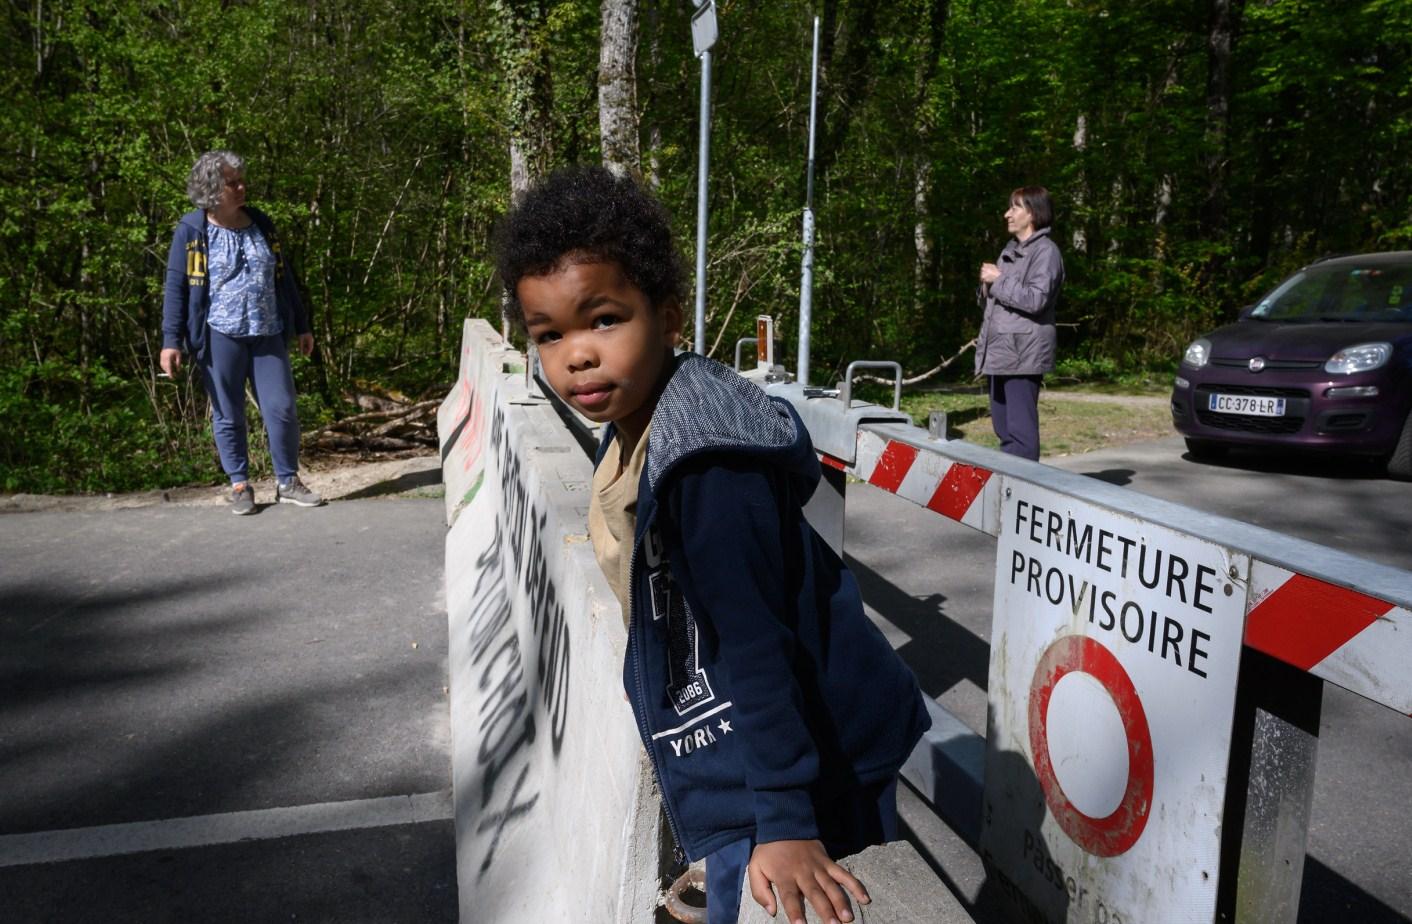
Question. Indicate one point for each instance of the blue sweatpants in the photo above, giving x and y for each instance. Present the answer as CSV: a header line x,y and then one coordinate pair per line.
x,y
264,362
1014,413
854,821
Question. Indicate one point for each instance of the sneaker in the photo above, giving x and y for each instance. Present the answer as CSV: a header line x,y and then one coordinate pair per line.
x,y
294,491
242,499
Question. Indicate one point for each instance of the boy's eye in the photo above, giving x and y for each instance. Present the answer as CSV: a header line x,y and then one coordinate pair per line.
x,y
540,338
605,320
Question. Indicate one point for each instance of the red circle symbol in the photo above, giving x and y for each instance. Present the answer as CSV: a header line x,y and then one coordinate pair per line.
x,y
1118,831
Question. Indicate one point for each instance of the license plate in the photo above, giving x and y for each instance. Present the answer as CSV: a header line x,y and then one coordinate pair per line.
x,y
1249,405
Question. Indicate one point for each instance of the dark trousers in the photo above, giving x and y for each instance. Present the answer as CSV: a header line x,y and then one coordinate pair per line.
x,y
859,819
264,362
1014,412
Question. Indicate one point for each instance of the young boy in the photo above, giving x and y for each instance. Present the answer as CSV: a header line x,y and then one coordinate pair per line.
x,y
775,714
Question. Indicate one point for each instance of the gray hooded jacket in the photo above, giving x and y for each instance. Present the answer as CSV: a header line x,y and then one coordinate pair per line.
x,y
1017,334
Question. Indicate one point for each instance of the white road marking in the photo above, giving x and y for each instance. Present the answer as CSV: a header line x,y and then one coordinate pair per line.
x,y
227,828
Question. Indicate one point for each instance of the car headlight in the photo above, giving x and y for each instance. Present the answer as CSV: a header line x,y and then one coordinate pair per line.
x,y
1198,354
1360,358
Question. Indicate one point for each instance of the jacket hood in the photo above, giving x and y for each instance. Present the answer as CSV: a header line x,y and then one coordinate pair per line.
x,y
708,407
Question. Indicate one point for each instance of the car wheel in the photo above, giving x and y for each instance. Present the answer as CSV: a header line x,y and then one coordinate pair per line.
x,y
1205,450
1399,464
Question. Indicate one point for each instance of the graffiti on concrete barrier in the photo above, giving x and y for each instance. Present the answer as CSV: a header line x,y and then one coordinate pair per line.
x,y
531,565
463,447
505,720
520,662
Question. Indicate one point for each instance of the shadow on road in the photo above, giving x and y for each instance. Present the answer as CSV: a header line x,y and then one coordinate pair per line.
x,y
171,663
405,482
940,651
113,716
1343,468
1327,896
1118,476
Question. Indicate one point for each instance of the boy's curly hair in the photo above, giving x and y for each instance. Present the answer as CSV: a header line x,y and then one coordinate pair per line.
x,y
596,216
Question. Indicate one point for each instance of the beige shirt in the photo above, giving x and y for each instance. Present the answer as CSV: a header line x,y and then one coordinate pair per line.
x,y
612,516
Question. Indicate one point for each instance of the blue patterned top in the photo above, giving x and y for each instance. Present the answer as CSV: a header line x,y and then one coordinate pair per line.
x,y
242,274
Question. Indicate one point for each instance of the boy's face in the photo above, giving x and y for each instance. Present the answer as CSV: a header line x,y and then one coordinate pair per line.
x,y
603,345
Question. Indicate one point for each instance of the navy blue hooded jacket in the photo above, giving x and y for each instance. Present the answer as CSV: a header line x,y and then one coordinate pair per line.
x,y
759,685
186,292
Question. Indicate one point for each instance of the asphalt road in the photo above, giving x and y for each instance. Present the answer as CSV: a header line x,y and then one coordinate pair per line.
x,y
225,719
932,580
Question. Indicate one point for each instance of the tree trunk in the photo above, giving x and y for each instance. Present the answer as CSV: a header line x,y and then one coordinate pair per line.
x,y
1220,47
926,268
1080,193
843,80
530,94
617,87
1165,185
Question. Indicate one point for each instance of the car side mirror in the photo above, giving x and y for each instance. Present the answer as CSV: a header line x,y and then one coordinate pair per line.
x,y
1246,312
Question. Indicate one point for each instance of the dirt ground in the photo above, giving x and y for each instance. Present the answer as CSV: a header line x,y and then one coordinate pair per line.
x,y
335,478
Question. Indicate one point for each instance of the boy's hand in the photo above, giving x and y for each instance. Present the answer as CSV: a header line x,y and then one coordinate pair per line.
x,y
801,870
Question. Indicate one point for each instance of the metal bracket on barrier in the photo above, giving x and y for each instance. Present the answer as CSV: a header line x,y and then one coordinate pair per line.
x,y
833,422
740,343
845,387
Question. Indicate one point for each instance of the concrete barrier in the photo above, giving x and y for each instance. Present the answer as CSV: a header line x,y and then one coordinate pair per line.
x,y
461,421
556,818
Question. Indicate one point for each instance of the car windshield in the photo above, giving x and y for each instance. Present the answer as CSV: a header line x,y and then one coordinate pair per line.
x,y
1342,292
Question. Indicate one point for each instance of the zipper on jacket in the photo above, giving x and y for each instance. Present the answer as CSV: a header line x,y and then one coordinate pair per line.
x,y
678,853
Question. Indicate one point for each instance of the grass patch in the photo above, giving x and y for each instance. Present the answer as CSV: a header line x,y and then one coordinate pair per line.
x,y
1069,422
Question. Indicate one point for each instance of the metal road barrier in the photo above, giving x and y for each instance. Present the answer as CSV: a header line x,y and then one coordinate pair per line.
x,y
1155,679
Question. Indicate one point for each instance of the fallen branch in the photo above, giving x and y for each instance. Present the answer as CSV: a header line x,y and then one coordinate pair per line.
x,y
919,378
397,414
393,427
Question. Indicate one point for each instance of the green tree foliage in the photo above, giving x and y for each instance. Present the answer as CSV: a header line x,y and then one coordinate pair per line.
x,y
372,133
378,134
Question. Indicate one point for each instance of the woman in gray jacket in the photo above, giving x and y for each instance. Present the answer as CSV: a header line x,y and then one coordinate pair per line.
x,y
1016,343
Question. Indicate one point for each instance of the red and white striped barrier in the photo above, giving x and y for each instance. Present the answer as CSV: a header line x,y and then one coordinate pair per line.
x,y
1358,642
953,489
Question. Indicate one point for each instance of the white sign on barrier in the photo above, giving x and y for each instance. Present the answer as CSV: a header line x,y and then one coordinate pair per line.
x,y
1112,682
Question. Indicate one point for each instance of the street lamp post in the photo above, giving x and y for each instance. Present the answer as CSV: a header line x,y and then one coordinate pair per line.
x,y
806,275
703,37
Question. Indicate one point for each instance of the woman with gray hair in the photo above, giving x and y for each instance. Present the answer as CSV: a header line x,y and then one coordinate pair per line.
x,y
230,300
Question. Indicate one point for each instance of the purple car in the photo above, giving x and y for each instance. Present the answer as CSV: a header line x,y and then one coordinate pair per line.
x,y
1324,362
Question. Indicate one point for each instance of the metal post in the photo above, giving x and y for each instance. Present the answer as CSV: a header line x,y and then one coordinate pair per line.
x,y
703,159
806,281
1270,791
